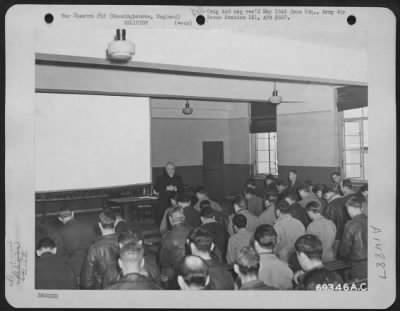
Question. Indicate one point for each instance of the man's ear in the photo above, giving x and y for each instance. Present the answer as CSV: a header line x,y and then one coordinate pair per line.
x,y
72,214
236,268
142,263
100,226
207,280
38,252
60,219
120,263
212,247
54,250
256,245
181,283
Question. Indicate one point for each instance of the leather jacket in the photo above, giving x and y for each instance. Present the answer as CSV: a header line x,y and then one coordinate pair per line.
x,y
354,244
337,212
134,281
101,254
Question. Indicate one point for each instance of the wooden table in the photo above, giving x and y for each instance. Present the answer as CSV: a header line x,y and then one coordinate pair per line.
x,y
137,209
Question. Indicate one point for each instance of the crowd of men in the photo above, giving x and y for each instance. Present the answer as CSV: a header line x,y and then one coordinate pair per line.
x,y
282,241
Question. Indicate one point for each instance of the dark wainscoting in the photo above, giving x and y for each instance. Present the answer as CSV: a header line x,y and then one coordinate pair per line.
x,y
317,174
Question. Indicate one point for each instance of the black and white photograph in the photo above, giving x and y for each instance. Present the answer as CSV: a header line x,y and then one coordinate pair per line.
x,y
190,149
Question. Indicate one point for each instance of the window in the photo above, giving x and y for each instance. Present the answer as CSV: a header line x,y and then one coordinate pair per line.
x,y
355,143
266,153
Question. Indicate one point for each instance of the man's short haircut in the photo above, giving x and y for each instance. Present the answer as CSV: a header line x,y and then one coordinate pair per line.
x,y
131,252
240,201
182,198
129,235
328,189
280,182
318,187
270,177
176,214
283,207
293,171
347,183
201,190
321,276
363,188
205,204
207,212
46,242
266,236
291,195
248,261
239,221
250,190
107,219
271,196
303,186
354,201
314,207
65,211
310,245
194,271
251,181
169,163
202,239
335,174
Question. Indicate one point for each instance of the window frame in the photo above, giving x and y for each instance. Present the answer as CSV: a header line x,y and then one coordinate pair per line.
x,y
256,162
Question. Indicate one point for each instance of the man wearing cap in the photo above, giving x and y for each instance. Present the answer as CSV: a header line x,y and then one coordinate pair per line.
x,y
73,239
101,254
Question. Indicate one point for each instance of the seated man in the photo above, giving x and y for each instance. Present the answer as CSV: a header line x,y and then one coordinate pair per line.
x,y
309,253
268,216
273,271
131,262
269,184
354,244
73,239
246,267
150,269
240,208
52,271
323,228
336,211
306,195
239,239
200,242
193,274
288,230
255,204
201,195
101,254
218,231
296,210
192,216
172,248
283,189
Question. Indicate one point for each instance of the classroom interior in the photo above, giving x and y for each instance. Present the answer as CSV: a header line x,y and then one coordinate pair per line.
x,y
233,132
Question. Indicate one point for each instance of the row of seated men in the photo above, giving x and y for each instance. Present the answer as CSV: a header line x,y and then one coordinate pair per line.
x,y
276,245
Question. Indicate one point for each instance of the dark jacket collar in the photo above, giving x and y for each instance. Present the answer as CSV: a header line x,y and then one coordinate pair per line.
x,y
253,285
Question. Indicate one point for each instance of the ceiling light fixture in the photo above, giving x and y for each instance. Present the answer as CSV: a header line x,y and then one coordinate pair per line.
x,y
187,109
120,49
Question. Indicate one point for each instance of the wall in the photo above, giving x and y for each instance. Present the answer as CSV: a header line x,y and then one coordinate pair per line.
x,y
308,132
178,138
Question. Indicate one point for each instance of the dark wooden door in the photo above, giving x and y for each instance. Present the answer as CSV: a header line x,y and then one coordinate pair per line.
x,y
213,167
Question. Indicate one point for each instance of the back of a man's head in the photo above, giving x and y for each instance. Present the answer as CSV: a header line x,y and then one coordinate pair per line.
x,y
310,245
131,257
45,244
129,235
182,199
283,207
240,221
193,273
280,183
202,239
65,212
314,207
304,187
250,191
271,196
291,196
247,262
176,215
206,211
266,236
107,219
239,203
205,204
201,190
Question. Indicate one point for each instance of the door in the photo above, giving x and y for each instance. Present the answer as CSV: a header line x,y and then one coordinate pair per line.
x,y
213,168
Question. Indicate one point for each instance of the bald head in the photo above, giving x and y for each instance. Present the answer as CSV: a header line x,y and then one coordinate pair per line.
x,y
170,168
193,273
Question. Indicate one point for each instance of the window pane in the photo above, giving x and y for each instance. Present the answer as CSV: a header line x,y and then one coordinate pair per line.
x,y
262,144
272,135
365,165
262,167
365,112
352,156
365,132
261,135
353,113
262,156
272,154
353,171
352,142
351,128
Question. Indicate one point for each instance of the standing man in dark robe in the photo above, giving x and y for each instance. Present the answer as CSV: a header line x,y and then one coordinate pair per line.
x,y
167,185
